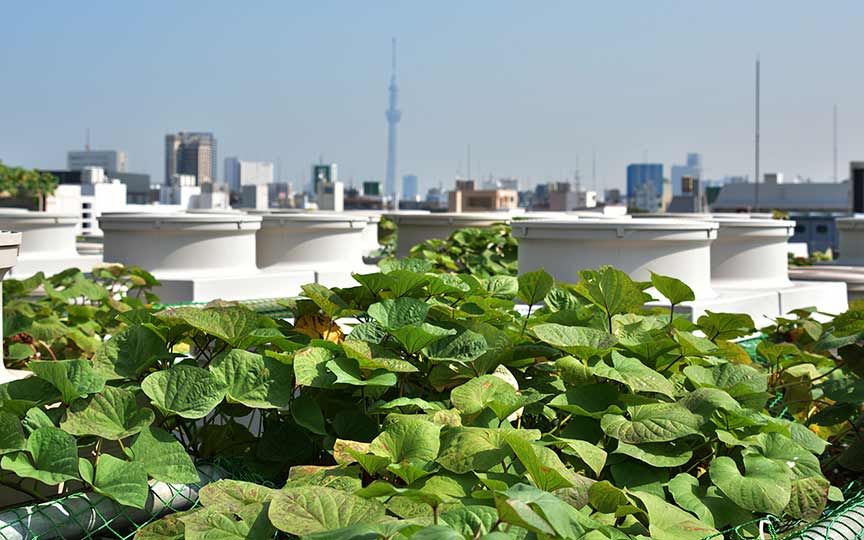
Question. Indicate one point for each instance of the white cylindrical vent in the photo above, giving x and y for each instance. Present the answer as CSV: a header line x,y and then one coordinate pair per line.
x,y
672,247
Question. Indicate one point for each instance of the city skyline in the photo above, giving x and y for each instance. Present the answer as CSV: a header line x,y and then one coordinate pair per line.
x,y
643,84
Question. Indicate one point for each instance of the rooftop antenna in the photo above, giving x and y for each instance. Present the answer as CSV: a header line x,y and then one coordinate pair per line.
x,y
835,142
87,141
594,169
756,187
469,163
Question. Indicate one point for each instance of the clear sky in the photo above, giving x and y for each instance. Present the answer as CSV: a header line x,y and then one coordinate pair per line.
x,y
533,87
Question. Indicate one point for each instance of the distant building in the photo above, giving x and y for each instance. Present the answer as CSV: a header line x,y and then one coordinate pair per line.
x,y
856,178
410,188
93,194
137,184
803,197
692,169
612,196
191,153
645,186
465,198
239,173
108,160
331,196
578,199
324,173
372,189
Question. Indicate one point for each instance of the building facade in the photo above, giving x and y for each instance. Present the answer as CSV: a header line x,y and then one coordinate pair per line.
x,y
108,160
465,198
239,173
692,169
645,186
191,153
410,188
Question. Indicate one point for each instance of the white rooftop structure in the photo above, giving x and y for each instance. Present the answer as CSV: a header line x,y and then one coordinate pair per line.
x,y
823,197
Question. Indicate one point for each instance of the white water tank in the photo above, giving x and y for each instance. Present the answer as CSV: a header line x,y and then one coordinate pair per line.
x,y
672,247
292,239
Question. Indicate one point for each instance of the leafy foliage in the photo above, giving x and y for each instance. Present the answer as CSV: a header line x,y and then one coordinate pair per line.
x,y
482,252
437,410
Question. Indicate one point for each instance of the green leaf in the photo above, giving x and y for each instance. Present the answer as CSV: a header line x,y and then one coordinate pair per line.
x,y
800,463
635,375
635,476
611,290
590,454
675,290
416,337
466,449
54,457
506,287
849,323
545,468
539,512
129,353
19,396
669,522
259,382
307,413
708,504
73,378
465,346
232,495
475,395
188,391
606,498
329,302
808,498
534,286
347,371
737,379
667,454
405,281
592,400
311,509
584,342
247,523
111,414
372,356
11,434
310,368
725,326
231,324
163,457
169,527
122,481
573,372
470,521
765,486
399,312
408,440
656,422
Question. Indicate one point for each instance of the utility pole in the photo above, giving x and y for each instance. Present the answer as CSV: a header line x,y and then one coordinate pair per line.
x,y
835,143
756,187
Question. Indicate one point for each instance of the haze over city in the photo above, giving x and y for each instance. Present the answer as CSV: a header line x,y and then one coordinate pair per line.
x,y
535,89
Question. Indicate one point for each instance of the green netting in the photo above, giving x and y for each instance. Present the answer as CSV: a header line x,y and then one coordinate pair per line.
x,y
90,516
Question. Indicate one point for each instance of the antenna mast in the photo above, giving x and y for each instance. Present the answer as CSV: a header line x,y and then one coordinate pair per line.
x,y
87,141
835,142
756,189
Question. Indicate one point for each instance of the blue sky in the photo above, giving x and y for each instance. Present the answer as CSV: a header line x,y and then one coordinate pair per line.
x,y
533,87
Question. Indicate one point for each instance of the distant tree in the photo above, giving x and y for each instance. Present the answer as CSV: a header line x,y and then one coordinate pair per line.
x,y
18,181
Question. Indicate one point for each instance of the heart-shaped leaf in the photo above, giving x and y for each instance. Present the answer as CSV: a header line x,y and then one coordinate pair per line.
x,y
54,457
73,378
112,414
581,341
408,440
764,487
259,382
163,457
311,509
187,391
675,290
122,481
657,422
398,312
635,375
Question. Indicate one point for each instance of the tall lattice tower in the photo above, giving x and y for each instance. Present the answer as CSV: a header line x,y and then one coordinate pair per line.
x,y
393,116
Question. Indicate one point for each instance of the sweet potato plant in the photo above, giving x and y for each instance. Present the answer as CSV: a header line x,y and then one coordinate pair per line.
x,y
422,405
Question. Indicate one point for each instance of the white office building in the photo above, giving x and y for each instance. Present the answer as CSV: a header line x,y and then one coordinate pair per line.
x,y
95,195
239,173
693,169
410,189
109,160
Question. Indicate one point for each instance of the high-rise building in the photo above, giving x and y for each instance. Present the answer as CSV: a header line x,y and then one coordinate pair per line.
x,y
324,172
239,173
856,179
692,169
645,185
109,160
191,153
393,116
410,190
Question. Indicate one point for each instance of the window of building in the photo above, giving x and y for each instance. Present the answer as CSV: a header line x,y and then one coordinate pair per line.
x,y
800,229
822,229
